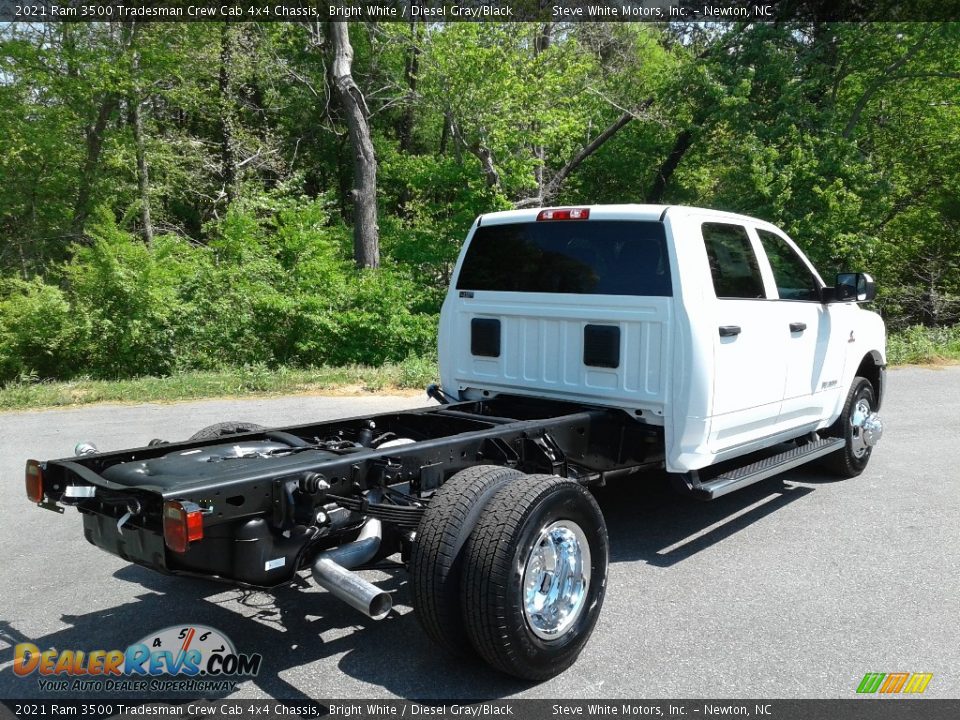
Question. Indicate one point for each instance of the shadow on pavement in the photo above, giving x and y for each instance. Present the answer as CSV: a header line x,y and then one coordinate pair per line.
x,y
650,522
287,626
295,630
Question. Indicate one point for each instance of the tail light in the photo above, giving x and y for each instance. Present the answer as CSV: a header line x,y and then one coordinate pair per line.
x,y
565,214
182,524
34,481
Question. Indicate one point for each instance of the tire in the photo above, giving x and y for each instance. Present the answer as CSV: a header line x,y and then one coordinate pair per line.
x,y
222,429
852,459
436,561
538,512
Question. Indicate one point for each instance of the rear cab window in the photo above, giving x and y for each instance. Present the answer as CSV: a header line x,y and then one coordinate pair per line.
x,y
733,263
591,257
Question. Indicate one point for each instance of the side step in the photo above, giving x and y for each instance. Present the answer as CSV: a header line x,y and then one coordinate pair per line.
x,y
737,478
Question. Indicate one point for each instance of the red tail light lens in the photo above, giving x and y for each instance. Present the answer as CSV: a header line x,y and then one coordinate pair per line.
x,y
182,524
34,481
565,214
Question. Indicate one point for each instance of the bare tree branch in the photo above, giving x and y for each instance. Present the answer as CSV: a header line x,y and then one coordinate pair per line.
x,y
552,187
481,152
885,76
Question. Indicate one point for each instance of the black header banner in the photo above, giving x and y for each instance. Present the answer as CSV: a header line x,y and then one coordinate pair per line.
x,y
695,11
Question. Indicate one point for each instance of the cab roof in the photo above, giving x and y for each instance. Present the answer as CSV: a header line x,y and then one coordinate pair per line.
x,y
623,211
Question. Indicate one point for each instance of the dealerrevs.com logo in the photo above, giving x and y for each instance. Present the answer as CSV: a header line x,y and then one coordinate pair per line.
x,y
188,658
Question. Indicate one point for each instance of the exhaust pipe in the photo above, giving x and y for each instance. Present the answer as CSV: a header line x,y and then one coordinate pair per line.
x,y
331,571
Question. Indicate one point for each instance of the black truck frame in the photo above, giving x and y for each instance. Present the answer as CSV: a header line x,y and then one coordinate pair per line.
x,y
255,508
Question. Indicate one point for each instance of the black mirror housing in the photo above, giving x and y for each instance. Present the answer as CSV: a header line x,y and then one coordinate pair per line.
x,y
854,287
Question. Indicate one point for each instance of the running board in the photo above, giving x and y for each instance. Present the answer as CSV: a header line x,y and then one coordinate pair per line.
x,y
737,478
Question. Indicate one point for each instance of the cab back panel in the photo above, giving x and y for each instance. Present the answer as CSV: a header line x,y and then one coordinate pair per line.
x,y
545,347
578,310
572,309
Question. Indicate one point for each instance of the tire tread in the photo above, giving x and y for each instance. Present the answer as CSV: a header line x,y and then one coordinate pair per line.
x,y
435,565
223,429
488,572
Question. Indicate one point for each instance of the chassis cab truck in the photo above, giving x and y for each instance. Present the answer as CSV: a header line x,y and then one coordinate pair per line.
x,y
577,346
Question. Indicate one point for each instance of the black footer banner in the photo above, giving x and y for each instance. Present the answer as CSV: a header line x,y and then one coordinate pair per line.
x,y
852,709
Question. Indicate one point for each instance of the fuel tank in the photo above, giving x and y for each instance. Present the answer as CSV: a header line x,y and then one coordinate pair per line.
x,y
197,463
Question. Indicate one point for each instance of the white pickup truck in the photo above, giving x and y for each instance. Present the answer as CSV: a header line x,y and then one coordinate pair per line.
x,y
577,346
711,325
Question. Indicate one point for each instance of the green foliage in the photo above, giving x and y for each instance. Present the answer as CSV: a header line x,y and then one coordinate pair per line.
x,y
124,294
847,135
273,288
39,334
438,199
918,344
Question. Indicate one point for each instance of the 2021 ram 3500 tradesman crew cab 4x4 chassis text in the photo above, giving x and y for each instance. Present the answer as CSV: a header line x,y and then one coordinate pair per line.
x,y
577,345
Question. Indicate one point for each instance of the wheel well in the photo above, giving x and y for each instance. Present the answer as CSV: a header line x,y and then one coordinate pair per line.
x,y
871,368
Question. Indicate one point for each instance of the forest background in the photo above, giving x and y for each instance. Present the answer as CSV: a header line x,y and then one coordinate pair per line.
x,y
264,199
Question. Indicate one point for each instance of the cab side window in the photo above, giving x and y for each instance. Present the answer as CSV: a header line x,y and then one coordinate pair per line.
x,y
733,265
793,277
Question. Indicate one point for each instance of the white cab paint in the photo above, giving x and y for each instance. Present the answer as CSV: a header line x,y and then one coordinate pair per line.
x,y
716,397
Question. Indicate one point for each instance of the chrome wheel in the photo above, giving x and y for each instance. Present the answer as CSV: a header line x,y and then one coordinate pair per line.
x,y
556,578
859,426
530,617
861,413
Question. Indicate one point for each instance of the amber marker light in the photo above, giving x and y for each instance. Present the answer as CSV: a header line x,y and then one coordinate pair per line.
x,y
34,481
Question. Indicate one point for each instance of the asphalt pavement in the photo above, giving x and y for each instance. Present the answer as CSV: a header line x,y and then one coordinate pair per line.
x,y
792,588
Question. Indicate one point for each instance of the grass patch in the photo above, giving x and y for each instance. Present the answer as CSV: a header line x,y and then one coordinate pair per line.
x,y
915,345
412,373
924,345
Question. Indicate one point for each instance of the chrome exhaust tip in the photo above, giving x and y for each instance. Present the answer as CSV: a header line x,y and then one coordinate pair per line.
x,y
352,589
331,571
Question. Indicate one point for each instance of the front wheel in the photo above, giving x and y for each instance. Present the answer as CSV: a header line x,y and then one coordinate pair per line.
x,y
535,576
860,428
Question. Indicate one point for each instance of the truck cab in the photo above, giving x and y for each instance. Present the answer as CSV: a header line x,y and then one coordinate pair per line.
x,y
712,325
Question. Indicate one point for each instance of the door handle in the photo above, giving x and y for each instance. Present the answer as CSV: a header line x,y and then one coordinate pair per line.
x,y
798,327
729,330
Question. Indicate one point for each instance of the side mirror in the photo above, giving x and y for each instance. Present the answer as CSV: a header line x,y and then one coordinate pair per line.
x,y
856,287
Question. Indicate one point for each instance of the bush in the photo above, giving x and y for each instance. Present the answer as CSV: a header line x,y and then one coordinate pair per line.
x,y
275,287
126,295
418,371
375,323
39,334
919,344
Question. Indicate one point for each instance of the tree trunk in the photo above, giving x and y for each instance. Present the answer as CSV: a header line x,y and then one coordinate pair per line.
x,y
445,133
88,174
143,170
228,152
540,45
412,70
366,234
669,165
